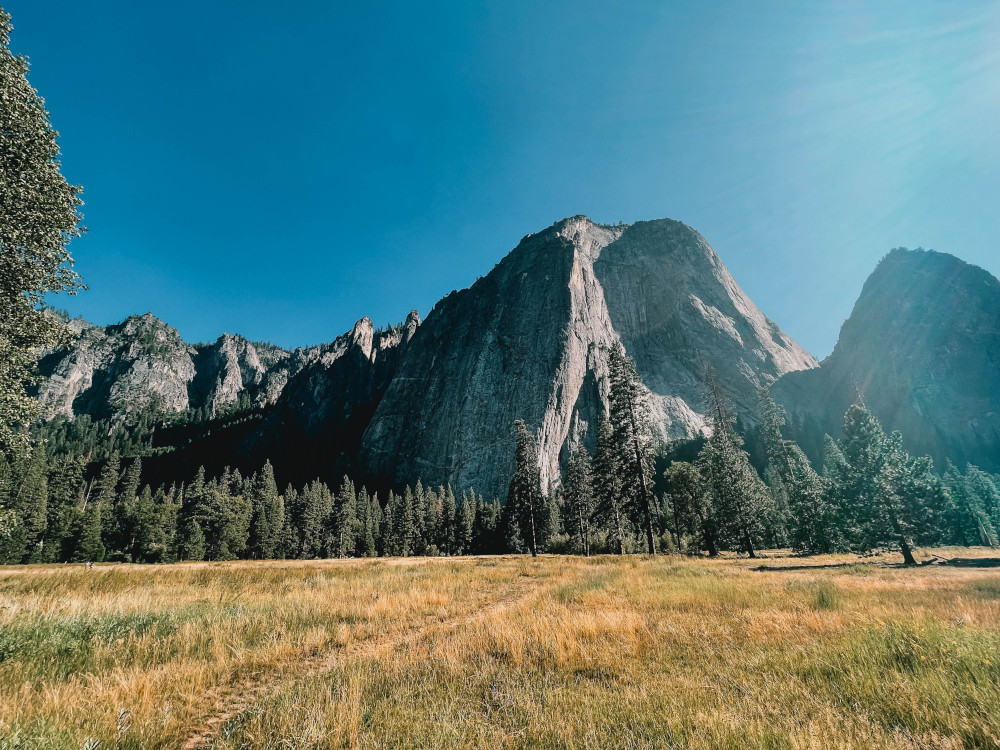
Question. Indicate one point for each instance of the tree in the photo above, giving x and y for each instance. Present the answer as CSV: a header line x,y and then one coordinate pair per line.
x,y
812,521
191,545
965,516
882,494
465,518
578,493
39,217
740,501
403,527
343,518
628,412
986,489
267,514
524,496
446,531
27,497
608,484
689,506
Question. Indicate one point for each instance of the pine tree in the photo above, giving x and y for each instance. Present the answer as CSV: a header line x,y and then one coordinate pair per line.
x,y
343,518
881,493
812,519
403,517
985,488
524,497
89,547
608,484
634,440
431,506
485,528
105,493
578,492
387,539
266,513
446,532
740,501
123,512
465,518
191,542
690,511
65,498
26,495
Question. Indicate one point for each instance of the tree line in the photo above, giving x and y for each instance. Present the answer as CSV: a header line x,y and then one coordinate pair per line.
x,y
869,495
70,496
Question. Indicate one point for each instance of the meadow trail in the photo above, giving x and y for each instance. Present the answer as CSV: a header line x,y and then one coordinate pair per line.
x,y
229,700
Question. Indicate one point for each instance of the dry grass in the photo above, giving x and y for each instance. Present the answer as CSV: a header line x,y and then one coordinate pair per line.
x,y
504,653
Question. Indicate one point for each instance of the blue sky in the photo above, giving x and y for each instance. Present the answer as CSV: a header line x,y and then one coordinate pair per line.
x,y
280,170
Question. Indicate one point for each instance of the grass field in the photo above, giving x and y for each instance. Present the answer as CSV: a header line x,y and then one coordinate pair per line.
x,y
502,653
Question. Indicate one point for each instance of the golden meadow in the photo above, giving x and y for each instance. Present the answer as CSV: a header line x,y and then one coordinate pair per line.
x,y
503,652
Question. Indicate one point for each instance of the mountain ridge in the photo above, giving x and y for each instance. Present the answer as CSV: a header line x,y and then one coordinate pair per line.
x,y
434,400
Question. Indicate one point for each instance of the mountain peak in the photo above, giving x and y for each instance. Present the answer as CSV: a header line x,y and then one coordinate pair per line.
x,y
923,345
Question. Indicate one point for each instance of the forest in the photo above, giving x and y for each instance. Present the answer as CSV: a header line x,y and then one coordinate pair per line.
x,y
74,493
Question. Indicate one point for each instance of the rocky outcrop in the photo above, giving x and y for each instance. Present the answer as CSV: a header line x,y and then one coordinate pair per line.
x,y
139,364
142,364
922,348
530,341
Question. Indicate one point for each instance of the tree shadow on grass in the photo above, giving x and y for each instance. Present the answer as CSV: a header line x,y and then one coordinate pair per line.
x,y
972,562
955,562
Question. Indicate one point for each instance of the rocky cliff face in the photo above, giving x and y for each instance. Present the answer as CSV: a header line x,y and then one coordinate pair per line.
x,y
437,401
530,341
317,421
121,369
922,346
142,364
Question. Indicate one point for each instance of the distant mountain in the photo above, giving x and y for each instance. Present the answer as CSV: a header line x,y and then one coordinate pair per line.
x,y
922,347
436,401
142,363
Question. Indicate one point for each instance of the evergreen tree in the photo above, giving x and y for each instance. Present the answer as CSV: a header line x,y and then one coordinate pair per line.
x,y
191,542
965,516
403,517
368,505
446,533
578,493
485,527
65,498
89,547
987,491
881,498
266,513
634,440
465,518
342,519
27,498
524,497
608,484
811,518
432,509
690,511
740,501
105,494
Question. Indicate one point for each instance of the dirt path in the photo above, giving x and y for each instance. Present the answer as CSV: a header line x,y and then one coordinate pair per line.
x,y
230,700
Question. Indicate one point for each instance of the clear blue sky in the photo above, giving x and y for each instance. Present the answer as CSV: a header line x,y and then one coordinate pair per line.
x,y
281,169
